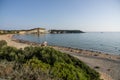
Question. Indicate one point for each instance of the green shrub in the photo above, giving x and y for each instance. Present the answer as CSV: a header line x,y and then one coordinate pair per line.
x,y
48,61
68,72
37,64
8,53
3,43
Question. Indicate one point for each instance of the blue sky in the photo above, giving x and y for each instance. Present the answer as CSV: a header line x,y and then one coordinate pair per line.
x,y
86,15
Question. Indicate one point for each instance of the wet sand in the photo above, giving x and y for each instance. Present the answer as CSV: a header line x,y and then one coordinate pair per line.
x,y
106,64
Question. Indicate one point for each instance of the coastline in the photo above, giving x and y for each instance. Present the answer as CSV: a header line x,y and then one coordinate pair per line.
x,y
11,42
105,64
89,52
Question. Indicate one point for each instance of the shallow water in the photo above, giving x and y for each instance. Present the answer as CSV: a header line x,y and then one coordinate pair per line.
x,y
103,42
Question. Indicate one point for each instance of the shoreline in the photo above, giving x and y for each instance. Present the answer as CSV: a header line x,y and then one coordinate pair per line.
x,y
10,42
104,63
88,52
75,50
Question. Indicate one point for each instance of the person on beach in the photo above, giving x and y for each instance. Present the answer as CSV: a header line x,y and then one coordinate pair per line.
x,y
44,43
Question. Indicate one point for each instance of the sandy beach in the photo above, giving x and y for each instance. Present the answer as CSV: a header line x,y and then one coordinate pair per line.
x,y
107,65
109,68
10,42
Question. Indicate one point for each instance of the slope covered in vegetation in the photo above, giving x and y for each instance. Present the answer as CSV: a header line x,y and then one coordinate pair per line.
x,y
41,63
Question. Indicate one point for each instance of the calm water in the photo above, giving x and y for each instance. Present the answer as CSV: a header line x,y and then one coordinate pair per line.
x,y
103,42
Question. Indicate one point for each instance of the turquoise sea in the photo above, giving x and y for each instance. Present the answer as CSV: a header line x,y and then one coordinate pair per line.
x,y
108,42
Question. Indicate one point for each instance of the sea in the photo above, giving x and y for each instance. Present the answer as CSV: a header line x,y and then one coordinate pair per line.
x,y
107,42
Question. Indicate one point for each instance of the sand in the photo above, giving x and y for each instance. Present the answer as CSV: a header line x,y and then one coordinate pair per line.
x,y
10,42
109,69
107,65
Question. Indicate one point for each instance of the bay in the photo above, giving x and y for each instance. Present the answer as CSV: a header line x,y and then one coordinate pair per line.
x,y
108,42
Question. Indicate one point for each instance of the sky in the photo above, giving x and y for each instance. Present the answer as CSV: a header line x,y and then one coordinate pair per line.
x,y
85,15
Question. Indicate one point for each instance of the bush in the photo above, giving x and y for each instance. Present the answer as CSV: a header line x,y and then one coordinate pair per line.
x,y
68,72
3,43
8,53
37,64
48,61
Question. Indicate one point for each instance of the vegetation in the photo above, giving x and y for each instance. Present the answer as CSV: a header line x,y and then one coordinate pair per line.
x,y
3,43
41,63
8,31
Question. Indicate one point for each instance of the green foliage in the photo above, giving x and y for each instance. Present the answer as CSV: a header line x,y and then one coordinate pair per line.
x,y
54,63
37,64
9,32
8,53
68,72
2,43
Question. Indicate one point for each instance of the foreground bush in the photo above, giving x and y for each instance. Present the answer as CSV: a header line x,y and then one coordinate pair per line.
x,y
44,63
3,43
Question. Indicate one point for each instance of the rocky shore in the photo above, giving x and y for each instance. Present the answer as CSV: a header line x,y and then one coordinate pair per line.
x,y
106,64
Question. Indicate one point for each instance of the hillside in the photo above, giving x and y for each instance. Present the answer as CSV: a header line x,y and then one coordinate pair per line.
x,y
41,63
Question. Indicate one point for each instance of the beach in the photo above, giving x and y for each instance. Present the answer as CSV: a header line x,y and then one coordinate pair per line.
x,y
11,42
106,64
